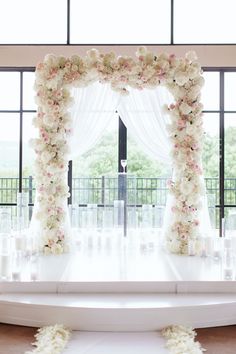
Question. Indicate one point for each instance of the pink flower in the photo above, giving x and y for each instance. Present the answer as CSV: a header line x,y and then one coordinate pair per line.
x,y
51,242
181,123
188,138
40,66
194,146
50,102
170,183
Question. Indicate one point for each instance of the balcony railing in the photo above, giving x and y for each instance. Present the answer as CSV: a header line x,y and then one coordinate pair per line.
x,y
91,190
97,190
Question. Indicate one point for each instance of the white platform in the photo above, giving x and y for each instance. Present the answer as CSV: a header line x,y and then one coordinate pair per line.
x,y
104,260
120,289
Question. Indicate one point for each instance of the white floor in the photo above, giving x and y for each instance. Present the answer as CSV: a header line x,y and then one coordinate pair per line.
x,y
103,258
116,343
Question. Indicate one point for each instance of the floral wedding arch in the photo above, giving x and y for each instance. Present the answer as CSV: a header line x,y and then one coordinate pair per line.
x,y
54,78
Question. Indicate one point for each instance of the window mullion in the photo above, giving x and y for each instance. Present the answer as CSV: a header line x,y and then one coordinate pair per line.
x,y
21,133
122,145
69,179
68,23
222,149
172,22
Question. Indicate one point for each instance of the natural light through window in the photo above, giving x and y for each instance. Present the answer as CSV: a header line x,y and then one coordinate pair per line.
x,y
204,21
125,21
38,21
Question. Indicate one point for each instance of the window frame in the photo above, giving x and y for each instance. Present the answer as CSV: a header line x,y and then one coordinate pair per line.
x,y
221,111
21,112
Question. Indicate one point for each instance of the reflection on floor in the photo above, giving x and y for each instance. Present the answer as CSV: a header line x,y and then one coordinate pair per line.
x,y
106,257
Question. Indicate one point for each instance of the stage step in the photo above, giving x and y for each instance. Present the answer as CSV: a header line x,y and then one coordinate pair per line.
x,y
117,287
118,312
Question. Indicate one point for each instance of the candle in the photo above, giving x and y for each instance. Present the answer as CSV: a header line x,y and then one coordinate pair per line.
x,y
228,273
209,245
15,275
203,253
216,255
5,260
227,243
191,248
223,227
33,275
19,243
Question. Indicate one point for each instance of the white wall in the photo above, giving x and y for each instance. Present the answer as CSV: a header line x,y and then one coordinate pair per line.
x,y
214,55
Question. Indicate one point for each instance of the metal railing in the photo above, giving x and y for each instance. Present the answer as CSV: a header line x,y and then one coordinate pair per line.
x,y
104,190
96,190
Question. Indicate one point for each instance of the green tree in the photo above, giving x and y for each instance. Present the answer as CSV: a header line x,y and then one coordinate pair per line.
x,y
103,160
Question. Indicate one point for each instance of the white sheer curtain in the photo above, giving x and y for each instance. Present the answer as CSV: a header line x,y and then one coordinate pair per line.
x,y
145,119
93,108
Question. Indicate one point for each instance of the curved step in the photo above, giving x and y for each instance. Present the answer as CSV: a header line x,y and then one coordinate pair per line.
x,y
118,312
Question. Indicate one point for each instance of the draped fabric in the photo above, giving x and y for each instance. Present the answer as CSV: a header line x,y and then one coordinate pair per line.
x,y
93,108
91,112
145,119
143,115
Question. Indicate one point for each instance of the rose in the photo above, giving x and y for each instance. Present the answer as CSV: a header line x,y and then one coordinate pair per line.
x,y
181,78
191,56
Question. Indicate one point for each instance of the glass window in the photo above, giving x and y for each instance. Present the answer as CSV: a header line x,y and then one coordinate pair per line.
x,y
9,156
211,165
211,144
230,153
230,89
29,132
152,177
141,164
125,21
89,168
38,21
211,91
9,90
204,21
28,91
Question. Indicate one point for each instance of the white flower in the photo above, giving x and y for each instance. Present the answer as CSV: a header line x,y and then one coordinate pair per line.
x,y
180,340
185,108
194,92
191,56
142,51
50,340
181,78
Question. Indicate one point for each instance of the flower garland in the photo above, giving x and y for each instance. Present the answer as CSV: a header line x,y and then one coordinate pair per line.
x,y
181,340
54,78
50,340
